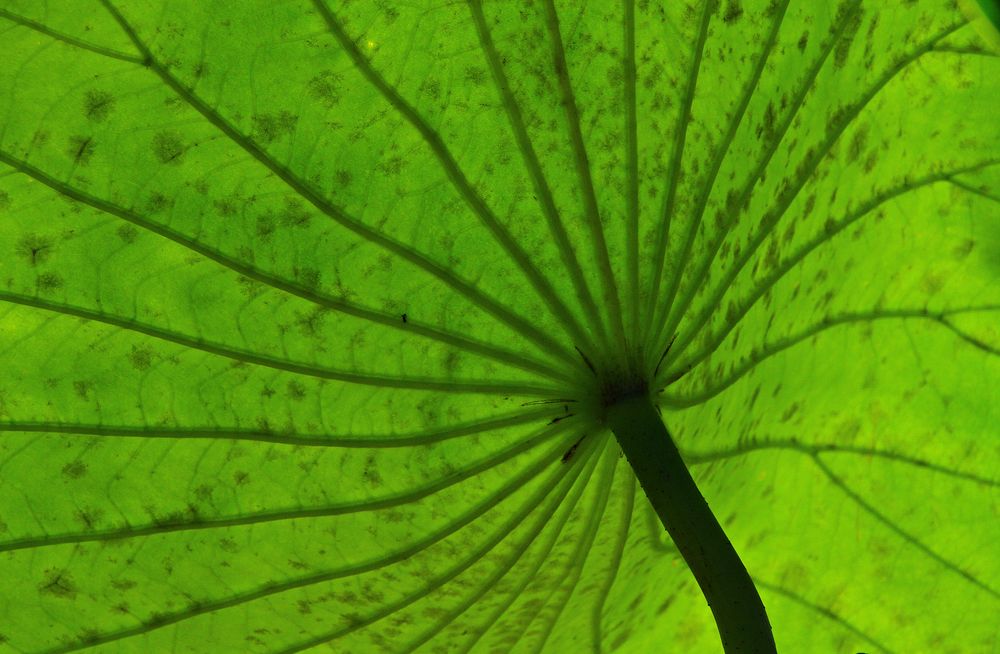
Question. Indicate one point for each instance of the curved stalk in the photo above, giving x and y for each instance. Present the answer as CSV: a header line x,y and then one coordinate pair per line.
x,y
724,580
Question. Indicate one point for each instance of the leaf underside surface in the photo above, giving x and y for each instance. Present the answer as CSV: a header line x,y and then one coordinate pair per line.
x,y
308,311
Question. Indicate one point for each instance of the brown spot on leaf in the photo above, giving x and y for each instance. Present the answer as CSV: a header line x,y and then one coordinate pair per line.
x,y
97,105
325,87
121,585
858,142
81,149
58,583
141,357
296,391
843,48
294,214
733,11
168,147
127,233
74,470
36,249
48,282
270,127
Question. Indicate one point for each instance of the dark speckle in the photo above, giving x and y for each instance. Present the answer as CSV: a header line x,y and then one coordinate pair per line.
x,y
371,473
122,585
475,75
733,11
858,142
265,226
81,149
140,357
74,470
157,202
241,478
963,250
308,277
48,282
803,41
97,105
843,48
296,391
89,518
270,127
766,129
294,214
325,87
168,147
4,200
127,233
58,583
404,317
82,389
36,249
870,162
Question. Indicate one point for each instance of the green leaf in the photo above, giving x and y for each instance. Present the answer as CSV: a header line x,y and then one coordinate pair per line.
x,y
308,313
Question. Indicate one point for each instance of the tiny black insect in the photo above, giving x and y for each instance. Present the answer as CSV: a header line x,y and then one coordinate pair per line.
x,y
664,355
586,360
572,449
404,317
558,418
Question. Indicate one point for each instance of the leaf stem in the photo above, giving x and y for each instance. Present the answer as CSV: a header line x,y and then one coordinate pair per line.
x,y
724,580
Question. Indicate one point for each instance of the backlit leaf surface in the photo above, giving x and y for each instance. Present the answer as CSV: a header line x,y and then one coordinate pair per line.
x,y
293,298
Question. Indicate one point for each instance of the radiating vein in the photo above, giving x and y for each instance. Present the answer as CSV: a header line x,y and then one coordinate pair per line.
x,y
541,186
553,499
545,342
977,190
275,588
591,211
278,437
735,204
790,191
414,326
548,494
830,230
585,544
768,350
674,175
305,369
825,612
69,40
909,538
631,173
813,452
614,565
587,461
695,457
705,190
548,433
478,206
501,571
